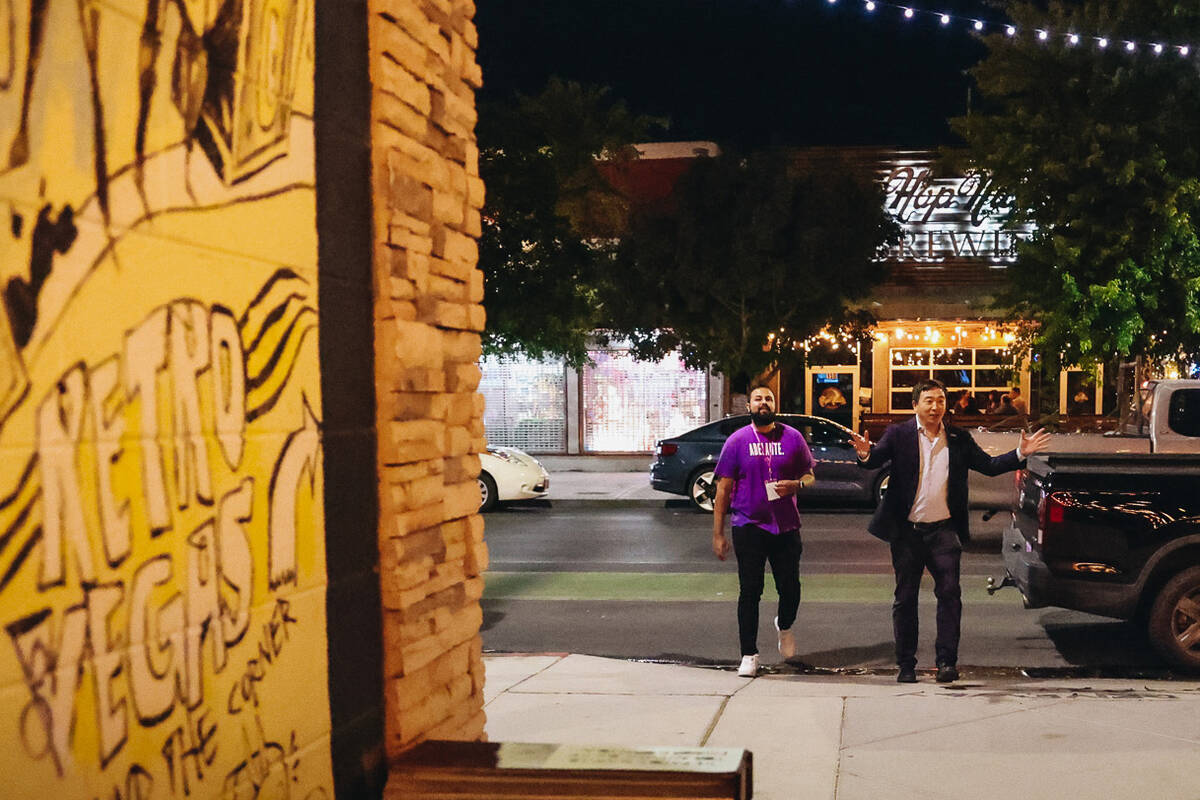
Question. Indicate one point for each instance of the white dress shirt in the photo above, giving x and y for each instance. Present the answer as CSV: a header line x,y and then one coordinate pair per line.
x,y
930,503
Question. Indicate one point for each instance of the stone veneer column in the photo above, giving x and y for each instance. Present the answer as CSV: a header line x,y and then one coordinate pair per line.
x,y
428,315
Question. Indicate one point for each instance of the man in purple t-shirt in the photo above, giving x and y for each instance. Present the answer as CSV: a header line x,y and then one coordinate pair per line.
x,y
761,468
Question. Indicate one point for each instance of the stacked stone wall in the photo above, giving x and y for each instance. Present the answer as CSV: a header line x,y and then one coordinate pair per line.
x,y
428,316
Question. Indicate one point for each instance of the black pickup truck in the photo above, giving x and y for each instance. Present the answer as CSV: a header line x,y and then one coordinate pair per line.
x,y
1116,535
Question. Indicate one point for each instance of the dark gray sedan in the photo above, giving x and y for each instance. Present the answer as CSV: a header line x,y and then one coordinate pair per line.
x,y
684,464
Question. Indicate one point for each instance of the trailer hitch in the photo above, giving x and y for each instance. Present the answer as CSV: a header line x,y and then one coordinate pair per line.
x,y
993,587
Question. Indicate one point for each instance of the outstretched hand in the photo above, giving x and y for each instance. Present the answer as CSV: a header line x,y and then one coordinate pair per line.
x,y
1034,442
862,444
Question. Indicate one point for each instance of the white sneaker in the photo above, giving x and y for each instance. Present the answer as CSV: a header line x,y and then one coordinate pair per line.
x,y
749,667
787,642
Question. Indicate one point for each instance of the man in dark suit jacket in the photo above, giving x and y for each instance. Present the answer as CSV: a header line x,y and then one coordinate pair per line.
x,y
924,516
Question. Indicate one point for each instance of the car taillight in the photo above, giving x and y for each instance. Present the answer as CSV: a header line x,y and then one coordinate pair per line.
x,y
1055,511
1051,514
667,449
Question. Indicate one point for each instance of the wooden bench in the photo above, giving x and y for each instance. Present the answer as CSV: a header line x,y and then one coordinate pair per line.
x,y
442,770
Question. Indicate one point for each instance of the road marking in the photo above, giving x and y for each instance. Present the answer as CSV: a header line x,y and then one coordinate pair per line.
x,y
701,586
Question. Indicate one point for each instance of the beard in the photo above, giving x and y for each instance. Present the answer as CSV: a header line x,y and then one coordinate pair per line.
x,y
763,417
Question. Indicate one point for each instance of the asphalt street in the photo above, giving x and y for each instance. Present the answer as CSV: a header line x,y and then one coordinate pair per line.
x,y
639,581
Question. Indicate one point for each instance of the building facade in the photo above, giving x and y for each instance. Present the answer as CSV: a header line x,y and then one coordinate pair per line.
x,y
239,553
934,311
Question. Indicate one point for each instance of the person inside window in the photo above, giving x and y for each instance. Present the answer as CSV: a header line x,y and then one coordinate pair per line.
x,y
1006,407
1018,402
993,402
966,403
1081,403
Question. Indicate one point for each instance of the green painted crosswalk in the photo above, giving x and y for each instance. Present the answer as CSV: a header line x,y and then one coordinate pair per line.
x,y
700,587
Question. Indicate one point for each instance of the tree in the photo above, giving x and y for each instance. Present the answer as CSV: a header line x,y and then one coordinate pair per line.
x,y
550,217
752,256
1100,149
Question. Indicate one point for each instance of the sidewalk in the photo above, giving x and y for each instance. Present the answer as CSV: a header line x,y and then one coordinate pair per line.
x,y
867,737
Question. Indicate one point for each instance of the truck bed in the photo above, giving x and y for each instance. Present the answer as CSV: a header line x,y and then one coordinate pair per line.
x,y
1124,463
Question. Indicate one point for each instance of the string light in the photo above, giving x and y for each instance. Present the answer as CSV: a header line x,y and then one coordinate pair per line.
x,y
1071,39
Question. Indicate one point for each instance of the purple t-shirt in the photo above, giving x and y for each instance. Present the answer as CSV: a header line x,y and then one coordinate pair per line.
x,y
751,459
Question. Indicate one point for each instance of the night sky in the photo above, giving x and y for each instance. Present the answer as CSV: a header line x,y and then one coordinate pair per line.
x,y
746,73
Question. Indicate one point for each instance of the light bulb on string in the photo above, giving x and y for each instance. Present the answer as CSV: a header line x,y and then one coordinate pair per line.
x,y
1071,39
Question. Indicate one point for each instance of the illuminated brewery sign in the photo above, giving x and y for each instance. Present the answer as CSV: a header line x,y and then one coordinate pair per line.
x,y
943,219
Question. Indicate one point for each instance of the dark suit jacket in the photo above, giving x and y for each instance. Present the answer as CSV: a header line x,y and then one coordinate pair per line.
x,y
899,445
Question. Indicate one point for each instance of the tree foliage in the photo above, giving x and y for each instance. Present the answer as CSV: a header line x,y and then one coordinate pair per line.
x,y
752,256
549,216
1100,149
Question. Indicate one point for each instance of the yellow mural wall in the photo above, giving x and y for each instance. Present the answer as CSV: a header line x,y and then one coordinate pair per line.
x,y
162,564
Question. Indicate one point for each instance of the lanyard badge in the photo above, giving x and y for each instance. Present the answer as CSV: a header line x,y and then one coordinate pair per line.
x,y
770,484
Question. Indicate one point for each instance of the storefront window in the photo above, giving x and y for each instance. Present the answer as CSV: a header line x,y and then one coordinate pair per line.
x,y
993,355
628,404
977,370
525,404
910,357
909,377
952,357
954,378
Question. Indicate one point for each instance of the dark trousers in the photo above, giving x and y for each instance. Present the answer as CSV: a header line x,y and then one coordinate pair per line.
x,y
754,547
937,549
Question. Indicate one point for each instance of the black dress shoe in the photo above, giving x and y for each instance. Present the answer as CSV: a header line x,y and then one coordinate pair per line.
x,y
907,675
947,673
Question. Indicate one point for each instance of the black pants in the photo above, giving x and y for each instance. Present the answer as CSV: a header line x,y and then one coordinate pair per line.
x,y
754,547
913,551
